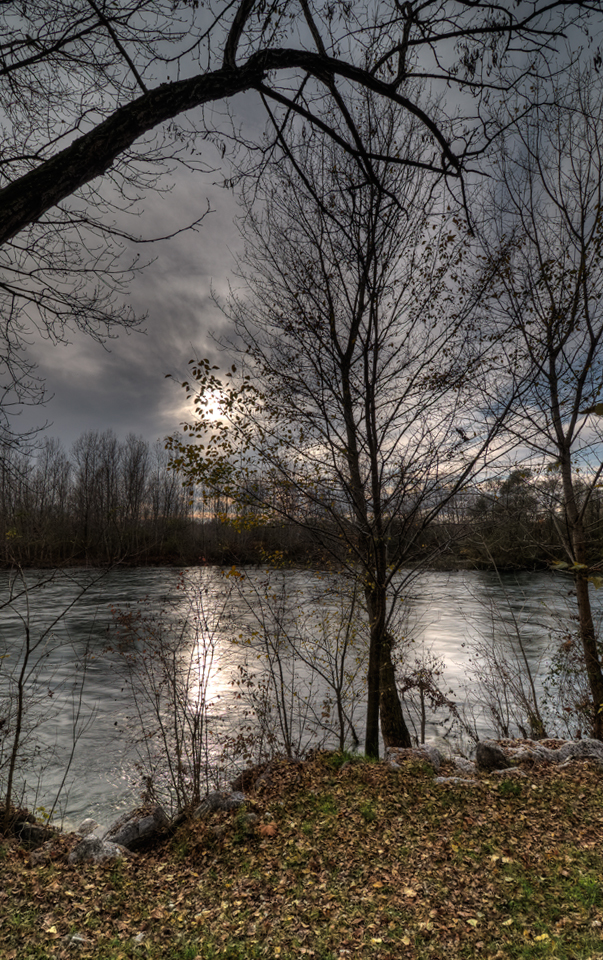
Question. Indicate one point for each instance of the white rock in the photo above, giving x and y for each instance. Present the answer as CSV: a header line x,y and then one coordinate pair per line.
x,y
97,850
456,780
466,766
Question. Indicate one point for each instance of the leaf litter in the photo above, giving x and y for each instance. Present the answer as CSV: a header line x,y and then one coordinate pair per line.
x,y
362,861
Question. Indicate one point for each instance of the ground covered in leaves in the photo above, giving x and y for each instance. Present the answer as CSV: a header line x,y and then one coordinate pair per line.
x,y
345,861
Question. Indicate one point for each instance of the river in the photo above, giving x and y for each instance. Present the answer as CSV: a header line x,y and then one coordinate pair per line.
x,y
75,675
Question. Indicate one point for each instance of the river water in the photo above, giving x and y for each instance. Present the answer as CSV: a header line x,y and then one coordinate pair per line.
x,y
74,677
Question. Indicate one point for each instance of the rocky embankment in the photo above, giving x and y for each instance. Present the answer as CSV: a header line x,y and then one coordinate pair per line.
x,y
143,827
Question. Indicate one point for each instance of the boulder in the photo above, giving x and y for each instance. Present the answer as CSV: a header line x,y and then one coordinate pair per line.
x,y
586,749
489,756
247,779
394,755
97,850
137,828
535,752
464,765
442,744
34,835
88,826
258,777
219,800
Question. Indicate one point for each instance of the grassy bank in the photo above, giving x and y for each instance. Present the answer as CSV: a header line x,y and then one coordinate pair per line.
x,y
359,861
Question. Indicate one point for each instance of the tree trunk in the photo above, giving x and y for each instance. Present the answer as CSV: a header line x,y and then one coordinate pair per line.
x,y
393,726
383,699
588,635
371,738
589,645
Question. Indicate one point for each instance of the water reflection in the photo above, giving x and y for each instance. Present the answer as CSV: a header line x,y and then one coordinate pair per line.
x,y
447,612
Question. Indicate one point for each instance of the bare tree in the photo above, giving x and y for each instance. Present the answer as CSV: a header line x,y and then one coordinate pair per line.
x,y
84,84
351,414
547,214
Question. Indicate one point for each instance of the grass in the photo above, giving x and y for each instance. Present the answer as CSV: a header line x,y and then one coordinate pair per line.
x,y
359,862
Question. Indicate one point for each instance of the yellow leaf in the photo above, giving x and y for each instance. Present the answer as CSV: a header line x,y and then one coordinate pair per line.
x,y
406,941
507,923
376,940
52,929
472,922
543,936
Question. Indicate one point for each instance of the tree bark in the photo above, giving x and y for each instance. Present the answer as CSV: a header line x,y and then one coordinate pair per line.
x,y
383,702
393,726
588,636
371,738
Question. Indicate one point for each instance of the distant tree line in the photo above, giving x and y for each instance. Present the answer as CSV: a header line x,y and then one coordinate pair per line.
x,y
119,501
519,522
104,501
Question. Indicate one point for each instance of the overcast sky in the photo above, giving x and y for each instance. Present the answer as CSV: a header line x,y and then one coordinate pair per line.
x,y
123,385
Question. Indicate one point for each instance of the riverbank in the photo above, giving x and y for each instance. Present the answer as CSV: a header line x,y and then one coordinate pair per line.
x,y
314,561
345,860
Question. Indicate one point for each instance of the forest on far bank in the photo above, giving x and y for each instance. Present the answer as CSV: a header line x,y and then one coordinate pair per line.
x,y
109,501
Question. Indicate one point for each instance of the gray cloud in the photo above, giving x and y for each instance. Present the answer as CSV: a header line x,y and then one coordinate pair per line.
x,y
123,385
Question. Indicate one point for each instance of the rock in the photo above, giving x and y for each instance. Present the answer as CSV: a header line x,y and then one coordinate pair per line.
x,y
431,754
249,820
454,781
33,835
441,744
88,826
97,850
535,752
258,777
394,755
489,756
464,765
219,800
135,829
247,779
513,772
586,749
75,941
